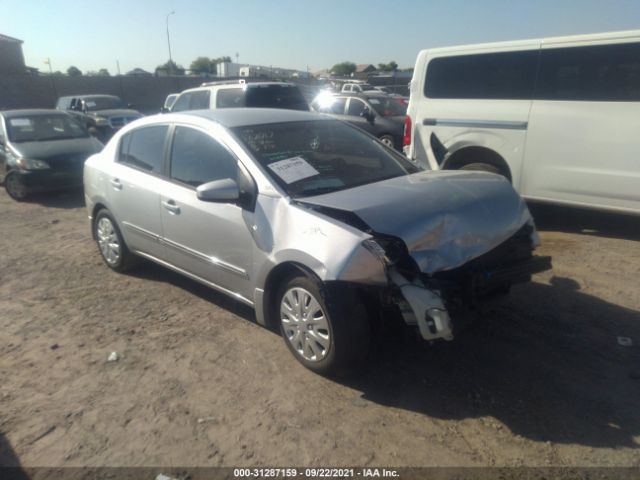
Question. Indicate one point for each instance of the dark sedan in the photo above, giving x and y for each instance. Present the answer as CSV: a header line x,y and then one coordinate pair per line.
x,y
42,150
379,114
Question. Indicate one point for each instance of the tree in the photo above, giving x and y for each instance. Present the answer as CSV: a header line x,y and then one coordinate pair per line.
x,y
74,71
388,67
344,68
203,65
103,72
170,68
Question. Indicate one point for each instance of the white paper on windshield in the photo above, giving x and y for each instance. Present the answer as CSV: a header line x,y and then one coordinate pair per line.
x,y
90,104
374,101
20,122
293,169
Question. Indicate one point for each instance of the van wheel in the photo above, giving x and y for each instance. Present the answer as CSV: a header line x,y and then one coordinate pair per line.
x,y
327,332
482,167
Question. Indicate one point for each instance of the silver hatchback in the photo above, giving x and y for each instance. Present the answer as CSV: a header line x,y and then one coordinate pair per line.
x,y
322,229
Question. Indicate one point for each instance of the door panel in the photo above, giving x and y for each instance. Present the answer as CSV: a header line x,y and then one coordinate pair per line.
x,y
135,202
210,240
584,152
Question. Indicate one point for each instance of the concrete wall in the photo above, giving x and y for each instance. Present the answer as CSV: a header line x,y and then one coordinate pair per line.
x,y
147,94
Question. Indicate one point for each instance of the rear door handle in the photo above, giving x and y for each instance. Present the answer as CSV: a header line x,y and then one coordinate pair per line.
x,y
117,185
171,206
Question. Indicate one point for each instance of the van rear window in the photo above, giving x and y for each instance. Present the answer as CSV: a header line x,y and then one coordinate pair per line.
x,y
276,96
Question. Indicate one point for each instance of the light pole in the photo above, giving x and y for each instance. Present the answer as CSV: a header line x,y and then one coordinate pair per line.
x,y
169,43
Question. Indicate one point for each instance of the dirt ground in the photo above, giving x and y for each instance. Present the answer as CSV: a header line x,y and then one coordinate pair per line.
x,y
541,381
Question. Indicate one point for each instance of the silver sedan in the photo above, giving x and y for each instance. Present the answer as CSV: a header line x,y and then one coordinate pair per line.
x,y
325,231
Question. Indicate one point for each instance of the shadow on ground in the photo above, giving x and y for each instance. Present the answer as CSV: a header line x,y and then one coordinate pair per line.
x,y
64,199
545,362
10,468
586,222
150,271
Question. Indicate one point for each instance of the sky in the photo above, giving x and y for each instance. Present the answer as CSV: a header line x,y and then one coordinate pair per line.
x,y
299,34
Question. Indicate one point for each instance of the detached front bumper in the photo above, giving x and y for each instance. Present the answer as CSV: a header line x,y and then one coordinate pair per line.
x,y
427,303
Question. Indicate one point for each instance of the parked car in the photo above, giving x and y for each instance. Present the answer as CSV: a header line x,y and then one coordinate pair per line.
x,y
237,93
359,87
102,115
169,101
42,150
379,114
310,221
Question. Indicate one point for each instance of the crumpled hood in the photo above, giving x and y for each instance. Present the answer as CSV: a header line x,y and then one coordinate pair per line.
x,y
445,218
116,112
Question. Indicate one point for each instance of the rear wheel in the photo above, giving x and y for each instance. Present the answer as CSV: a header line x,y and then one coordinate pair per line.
x,y
15,187
112,248
328,333
387,140
482,167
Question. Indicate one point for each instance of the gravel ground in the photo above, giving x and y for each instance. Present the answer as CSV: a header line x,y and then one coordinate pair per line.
x,y
540,381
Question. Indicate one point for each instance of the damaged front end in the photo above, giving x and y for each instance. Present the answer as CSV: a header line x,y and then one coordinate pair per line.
x,y
447,242
440,303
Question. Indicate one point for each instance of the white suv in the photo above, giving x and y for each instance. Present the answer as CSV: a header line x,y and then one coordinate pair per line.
x,y
238,93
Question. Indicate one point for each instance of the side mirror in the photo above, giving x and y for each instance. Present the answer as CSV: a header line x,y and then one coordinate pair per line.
x,y
164,110
368,114
223,191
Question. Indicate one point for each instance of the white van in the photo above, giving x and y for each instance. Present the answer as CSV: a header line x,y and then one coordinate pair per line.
x,y
559,117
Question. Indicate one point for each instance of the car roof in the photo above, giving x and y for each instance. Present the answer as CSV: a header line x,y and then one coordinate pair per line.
x,y
226,85
30,111
240,117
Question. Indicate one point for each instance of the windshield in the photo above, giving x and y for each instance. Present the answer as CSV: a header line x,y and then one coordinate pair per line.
x,y
102,103
38,128
366,87
388,106
275,96
321,156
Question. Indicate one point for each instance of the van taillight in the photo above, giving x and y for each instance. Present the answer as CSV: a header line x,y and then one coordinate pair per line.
x,y
406,139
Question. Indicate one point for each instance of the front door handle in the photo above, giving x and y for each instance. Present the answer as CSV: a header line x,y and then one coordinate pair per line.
x,y
117,185
171,206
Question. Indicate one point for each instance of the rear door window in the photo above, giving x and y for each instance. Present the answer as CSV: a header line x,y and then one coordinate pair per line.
x,y
196,158
143,148
230,98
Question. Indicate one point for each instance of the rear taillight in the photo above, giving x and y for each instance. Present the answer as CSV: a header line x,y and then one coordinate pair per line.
x,y
406,139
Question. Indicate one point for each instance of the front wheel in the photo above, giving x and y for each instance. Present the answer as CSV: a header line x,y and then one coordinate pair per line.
x,y
15,187
327,332
112,248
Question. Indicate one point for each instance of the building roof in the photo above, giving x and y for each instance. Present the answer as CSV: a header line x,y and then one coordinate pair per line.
x,y
7,38
364,67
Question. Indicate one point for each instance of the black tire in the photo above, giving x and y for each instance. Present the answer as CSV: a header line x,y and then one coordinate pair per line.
x,y
15,187
348,327
125,259
388,140
482,167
